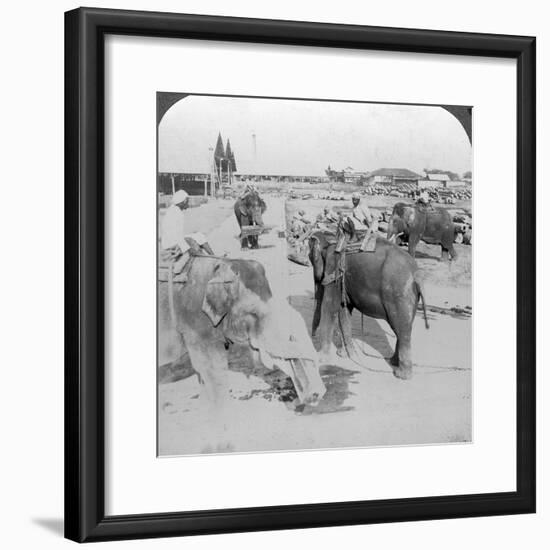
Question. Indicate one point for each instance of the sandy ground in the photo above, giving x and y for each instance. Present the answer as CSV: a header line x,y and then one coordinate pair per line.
x,y
363,406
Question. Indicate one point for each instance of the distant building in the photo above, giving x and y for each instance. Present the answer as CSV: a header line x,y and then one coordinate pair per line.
x,y
455,183
335,176
429,184
347,175
392,176
354,176
440,180
194,184
281,178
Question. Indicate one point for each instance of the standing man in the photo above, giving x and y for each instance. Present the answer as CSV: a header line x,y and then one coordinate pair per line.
x,y
173,239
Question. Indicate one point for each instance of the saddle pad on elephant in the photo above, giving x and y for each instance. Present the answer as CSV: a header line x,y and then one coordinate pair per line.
x,y
179,273
299,258
367,243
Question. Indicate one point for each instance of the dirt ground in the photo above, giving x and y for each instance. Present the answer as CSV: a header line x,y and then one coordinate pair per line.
x,y
363,406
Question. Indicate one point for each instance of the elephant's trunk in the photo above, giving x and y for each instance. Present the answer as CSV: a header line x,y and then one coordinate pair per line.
x,y
285,343
391,233
257,218
395,236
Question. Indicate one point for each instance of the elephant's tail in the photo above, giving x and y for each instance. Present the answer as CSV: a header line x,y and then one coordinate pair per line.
x,y
421,294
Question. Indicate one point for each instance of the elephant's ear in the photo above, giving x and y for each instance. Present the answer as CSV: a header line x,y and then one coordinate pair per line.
x,y
242,210
263,206
220,293
409,215
316,258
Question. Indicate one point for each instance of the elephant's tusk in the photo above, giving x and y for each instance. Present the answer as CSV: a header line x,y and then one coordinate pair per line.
x,y
393,238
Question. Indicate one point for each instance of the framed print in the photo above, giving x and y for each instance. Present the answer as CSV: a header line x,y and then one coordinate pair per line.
x,y
277,314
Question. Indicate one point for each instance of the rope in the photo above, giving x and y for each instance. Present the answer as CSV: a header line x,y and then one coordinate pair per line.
x,y
342,267
171,306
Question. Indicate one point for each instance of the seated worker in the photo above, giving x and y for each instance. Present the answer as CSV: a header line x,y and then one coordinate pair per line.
x,y
302,216
361,216
173,240
328,215
424,200
249,188
299,223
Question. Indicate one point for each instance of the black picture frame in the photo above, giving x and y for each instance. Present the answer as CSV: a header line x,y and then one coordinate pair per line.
x,y
85,29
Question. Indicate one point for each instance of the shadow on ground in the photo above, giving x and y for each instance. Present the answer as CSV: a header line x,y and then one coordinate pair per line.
x,y
53,525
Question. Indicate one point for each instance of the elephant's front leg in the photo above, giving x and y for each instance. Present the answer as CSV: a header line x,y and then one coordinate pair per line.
x,y
319,292
413,243
209,359
329,315
244,240
253,241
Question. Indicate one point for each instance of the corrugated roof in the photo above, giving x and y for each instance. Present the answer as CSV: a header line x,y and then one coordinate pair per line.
x,y
395,172
438,177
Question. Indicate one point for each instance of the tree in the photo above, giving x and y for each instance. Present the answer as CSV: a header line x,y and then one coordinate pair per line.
x,y
467,175
219,153
230,157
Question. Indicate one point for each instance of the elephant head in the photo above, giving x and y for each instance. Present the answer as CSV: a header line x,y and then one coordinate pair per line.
x,y
402,219
253,206
238,301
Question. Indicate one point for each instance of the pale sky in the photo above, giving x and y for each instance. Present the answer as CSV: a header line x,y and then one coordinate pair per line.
x,y
304,137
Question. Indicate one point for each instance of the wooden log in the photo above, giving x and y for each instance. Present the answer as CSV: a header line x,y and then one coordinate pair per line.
x,y
254,230
178,370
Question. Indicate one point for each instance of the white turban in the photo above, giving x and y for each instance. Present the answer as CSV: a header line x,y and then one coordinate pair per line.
x,y
356,196
179,197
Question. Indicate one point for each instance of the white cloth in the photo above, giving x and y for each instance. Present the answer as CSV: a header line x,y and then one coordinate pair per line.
x,y
179,196
173,230
359,214
199,238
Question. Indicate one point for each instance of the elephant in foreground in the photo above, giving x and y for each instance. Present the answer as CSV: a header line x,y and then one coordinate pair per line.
x,y
226,301
248,211
382,284
416,223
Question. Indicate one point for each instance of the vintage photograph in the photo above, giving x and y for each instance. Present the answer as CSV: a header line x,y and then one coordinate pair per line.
x,y
314,274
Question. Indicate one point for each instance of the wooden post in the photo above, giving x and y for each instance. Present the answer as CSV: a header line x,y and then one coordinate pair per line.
x,y
212,172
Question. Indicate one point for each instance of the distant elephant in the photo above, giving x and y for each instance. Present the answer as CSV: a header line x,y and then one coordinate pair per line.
x,y
383,284
248,211
416,223
228,301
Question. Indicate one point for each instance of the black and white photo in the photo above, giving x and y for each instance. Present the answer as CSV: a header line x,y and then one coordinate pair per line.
x,y
314,274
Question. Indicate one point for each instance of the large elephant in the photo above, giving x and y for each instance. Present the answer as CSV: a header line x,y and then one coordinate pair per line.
x,y
383,284
228,301
248,211
432,225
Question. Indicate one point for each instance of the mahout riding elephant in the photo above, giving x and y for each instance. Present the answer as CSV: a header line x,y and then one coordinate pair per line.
x,y
226,301
249,210
383,284
417,222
